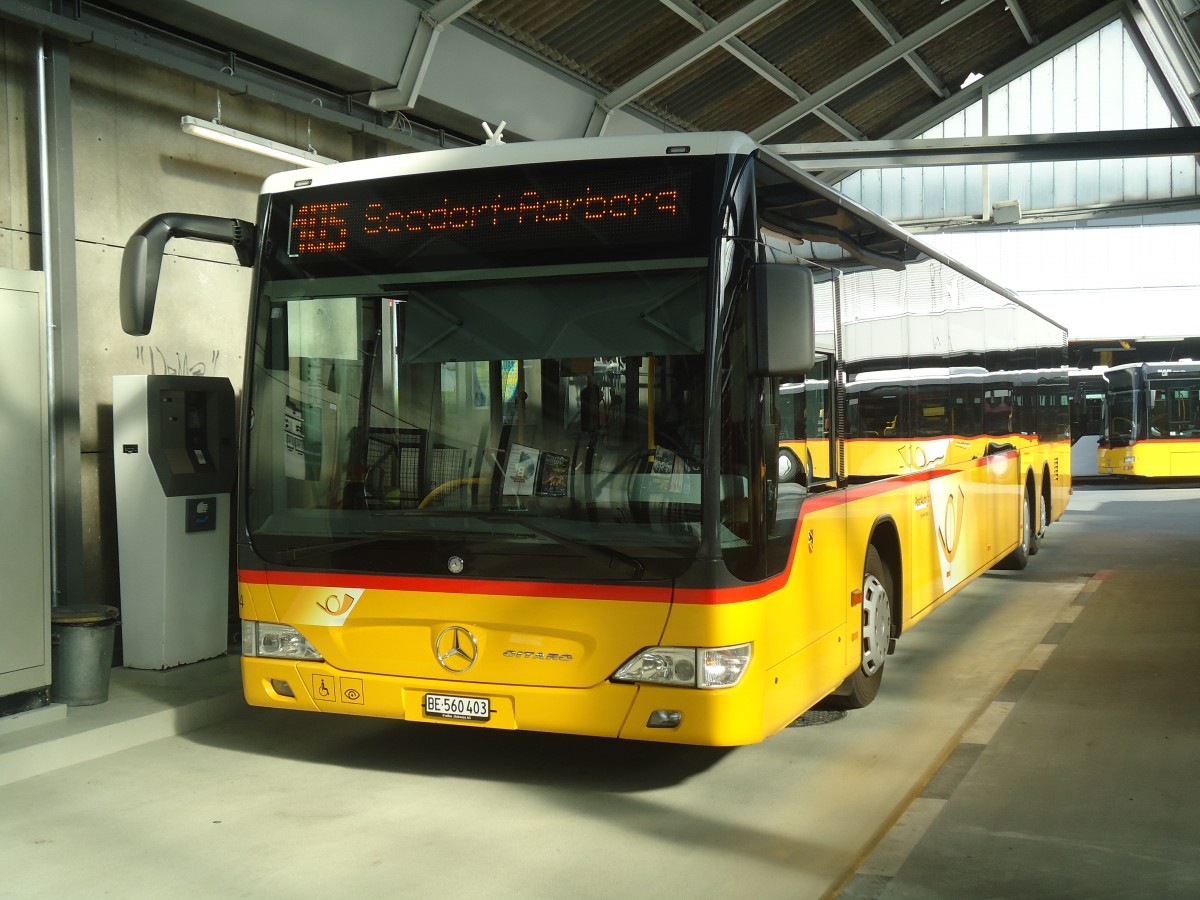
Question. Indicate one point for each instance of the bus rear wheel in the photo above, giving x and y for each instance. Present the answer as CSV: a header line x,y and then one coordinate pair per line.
x,y
1043,516
1019,558
861,687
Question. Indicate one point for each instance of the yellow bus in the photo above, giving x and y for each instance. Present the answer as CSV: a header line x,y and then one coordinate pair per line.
x,y
907,421
911,421
512,422
1152,421
1089,389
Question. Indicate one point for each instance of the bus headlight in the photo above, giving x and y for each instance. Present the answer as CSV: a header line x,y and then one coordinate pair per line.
x,y
723,666
699,667
275,641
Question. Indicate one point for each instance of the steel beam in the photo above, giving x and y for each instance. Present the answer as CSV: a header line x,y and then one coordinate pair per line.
x,y
681,58
56,177
1166,40
1014,7
763,67
212,66
862,72
884,26
1014,148
973,92
420,53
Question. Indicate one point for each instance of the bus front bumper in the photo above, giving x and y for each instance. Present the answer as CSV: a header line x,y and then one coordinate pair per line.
x,y
637,712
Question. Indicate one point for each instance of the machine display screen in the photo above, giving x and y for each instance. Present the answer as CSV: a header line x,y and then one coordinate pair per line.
x,y
593,211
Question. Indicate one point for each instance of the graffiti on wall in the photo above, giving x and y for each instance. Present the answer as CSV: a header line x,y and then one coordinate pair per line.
x,y
165,362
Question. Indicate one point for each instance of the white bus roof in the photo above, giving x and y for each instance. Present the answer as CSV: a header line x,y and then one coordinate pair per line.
x,y
525,152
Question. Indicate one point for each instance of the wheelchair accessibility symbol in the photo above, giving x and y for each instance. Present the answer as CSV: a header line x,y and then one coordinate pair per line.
x,y
324,687
328,689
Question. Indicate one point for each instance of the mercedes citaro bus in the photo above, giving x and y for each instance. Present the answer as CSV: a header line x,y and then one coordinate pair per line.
x,y
512,425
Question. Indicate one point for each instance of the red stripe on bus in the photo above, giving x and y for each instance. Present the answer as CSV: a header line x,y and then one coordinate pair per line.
x,y
458,585
620,592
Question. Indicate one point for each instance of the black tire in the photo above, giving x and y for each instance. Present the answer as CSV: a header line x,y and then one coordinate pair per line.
x,y
1034,523
789,467
1028,546
860,688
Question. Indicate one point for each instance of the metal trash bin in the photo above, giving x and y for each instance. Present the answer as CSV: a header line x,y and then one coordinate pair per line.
x,y
81,653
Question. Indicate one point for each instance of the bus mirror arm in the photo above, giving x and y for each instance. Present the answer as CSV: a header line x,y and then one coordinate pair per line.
x,y
141,263
785,319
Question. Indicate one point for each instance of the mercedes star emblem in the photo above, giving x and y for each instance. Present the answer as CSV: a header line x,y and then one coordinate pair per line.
x,y
456,649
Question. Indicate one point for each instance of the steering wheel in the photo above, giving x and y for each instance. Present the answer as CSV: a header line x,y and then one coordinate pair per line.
x,y
450,485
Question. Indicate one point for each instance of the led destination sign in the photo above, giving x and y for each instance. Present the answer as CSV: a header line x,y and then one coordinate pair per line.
x,y
327,227
505,212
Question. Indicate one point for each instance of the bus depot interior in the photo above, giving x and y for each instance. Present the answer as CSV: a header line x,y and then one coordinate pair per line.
x,y
507,426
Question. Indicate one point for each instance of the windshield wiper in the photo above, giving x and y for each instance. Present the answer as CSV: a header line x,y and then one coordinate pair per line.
x,y
294,553
595,551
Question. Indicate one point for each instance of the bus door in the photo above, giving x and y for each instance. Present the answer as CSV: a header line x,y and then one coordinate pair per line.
x,y
820,550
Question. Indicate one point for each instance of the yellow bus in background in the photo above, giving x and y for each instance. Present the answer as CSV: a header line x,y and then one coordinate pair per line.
x,y
513,422
1089,389
910,421
1152,421
905,422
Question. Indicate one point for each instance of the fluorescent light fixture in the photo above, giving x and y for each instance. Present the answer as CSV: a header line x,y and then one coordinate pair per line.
x,y
214,131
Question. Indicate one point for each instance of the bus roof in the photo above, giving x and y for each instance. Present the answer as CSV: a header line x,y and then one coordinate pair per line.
x,y
1179,366
492,155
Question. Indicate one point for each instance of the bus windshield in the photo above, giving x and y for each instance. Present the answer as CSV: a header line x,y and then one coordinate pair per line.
x,y
525,414
1121,414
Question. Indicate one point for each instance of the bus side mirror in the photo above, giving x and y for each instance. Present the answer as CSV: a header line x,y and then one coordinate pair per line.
x,y
785,319
140,267
141,263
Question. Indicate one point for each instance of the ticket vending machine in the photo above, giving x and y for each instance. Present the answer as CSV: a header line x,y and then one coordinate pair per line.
x,y
174,465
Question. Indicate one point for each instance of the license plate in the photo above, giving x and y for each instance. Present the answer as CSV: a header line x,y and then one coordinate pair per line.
x,y
444,706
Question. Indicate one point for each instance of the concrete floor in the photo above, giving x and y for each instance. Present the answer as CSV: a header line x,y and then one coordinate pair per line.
x,y
1035,737
1079,780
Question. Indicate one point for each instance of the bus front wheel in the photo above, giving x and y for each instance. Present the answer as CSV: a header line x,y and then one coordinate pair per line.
x,y
789,466
861,687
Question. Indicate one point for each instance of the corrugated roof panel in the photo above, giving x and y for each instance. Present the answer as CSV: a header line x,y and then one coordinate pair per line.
x,y
886,100
637,38
1047,17
907,16
719,91
805,39
810,129
720,9
606,41
991,37
956,53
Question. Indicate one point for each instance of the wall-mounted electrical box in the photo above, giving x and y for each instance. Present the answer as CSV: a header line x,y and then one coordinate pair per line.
x,y
24,485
